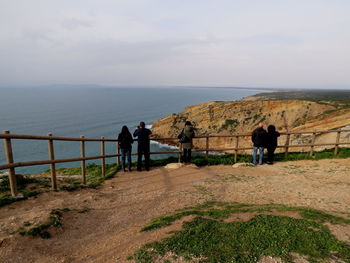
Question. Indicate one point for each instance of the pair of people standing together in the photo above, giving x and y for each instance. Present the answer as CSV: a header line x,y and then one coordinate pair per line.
x,y
261,140
125,141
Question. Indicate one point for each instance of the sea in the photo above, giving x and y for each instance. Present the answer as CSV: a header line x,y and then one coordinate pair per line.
x,y
91,111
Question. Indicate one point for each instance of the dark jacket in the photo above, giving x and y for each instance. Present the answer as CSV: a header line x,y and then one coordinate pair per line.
x,y
259,137
272,136
142,135
188,131
125,140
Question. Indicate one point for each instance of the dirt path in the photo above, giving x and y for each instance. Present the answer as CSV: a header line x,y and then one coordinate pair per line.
x,y
110,231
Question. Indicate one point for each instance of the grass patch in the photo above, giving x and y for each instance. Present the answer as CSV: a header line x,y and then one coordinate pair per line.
x,y
208,238
229,124
54,220
41,230
29,186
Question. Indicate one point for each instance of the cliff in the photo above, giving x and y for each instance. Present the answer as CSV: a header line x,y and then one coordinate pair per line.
x,y
225,118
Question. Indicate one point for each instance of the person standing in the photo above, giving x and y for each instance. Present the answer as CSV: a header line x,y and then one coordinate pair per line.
x,y
125,141
143,147
186,137
259,141
271,143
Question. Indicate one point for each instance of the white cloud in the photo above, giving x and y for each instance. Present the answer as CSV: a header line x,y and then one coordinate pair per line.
x,y
245,43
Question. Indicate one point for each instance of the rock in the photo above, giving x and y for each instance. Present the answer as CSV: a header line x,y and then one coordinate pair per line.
x,y
192,165
236,165
173,165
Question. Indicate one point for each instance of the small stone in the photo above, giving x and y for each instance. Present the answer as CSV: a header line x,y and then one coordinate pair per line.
x,y
173,165
236,165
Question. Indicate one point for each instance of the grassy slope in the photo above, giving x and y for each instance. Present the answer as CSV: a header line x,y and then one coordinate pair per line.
x,y
208,238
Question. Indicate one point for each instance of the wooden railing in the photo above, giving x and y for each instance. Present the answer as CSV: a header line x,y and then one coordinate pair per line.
x,y
11,164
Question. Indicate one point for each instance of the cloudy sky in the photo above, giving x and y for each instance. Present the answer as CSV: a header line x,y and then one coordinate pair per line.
x,y
251,43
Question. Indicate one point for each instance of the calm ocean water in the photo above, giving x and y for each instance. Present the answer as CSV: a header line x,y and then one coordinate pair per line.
x,y
92,112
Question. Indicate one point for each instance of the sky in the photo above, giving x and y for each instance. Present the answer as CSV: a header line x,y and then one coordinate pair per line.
x,y
241,43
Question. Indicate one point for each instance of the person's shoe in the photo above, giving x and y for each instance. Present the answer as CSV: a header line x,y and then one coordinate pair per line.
x,y
129,170
139,170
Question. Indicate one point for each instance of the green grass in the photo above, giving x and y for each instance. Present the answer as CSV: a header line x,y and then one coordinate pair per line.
x,y
228,159
29,186
334,96
41,230
55,219
208,238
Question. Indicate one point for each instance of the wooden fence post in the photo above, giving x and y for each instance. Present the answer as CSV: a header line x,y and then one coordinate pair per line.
x,y
286,146
52,165
312,143
82,155
336,148
180,153
207,147
11,171
118,152
103,153
236,149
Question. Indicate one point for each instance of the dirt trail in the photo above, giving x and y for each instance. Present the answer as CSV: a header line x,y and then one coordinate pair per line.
x,y
110,231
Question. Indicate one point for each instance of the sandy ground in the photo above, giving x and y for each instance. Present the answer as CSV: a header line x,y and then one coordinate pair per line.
x,y
110,231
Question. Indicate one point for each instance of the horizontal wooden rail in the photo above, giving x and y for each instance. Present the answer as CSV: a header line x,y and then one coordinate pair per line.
x,y
60,138
11,165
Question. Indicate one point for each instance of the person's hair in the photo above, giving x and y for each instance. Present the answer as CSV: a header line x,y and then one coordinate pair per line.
x,y
125,130
188,123
271,128
142,124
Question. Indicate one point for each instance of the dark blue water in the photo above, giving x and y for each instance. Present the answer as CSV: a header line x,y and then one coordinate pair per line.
x,y
92,112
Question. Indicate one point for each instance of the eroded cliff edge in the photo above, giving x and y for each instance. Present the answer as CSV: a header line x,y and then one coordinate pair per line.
x,y
225,118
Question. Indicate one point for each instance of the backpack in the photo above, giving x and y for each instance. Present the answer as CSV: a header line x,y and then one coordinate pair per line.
x,y
183,138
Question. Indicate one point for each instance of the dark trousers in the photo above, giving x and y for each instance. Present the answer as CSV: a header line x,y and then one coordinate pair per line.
x,y
126,153
271,154
142,150
186,158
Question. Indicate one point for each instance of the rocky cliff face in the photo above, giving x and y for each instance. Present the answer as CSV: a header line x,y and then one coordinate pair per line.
x,y
226,118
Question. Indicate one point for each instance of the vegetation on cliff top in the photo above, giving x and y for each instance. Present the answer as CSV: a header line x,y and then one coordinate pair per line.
x,y
216,234
69,180
331,96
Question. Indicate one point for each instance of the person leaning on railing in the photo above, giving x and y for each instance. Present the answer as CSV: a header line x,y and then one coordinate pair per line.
x,y
271,143
186,136
125,141
259,141
143,147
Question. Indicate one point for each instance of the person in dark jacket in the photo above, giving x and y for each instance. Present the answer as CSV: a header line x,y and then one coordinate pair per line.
x,y
143,147
186,137
125,141
271,143
259,137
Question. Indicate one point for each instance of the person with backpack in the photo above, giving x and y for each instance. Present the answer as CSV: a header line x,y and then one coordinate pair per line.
x,y
143,147
259,137
271,143
185,137
125,142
